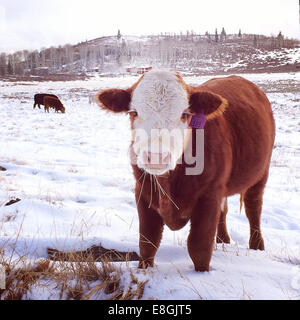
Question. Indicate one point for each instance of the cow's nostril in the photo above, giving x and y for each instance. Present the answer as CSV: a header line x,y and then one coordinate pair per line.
x,y
166,158
146,157
151,158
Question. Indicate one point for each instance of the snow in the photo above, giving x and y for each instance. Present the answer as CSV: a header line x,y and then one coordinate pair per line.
x,y
291,55
263,58
73,176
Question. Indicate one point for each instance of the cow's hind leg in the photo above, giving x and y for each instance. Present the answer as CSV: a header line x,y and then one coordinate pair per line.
x,y
253,200
222,235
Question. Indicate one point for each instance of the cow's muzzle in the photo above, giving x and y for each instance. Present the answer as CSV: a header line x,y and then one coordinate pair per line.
x,y
157,163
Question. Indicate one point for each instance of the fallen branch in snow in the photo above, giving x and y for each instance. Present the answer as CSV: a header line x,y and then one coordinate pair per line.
x,y
77,280
13,201
97,253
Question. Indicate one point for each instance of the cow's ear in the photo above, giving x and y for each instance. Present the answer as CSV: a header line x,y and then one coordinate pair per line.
x,y
210,104
115,100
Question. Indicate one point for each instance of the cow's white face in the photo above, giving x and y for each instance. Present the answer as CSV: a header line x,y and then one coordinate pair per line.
x,y
159,114
161,107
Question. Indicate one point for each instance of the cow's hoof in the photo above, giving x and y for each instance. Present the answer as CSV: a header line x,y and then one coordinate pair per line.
x,y
202,268
257,244
223,239
145,264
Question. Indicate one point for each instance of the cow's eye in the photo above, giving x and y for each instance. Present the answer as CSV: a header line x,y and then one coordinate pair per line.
x,y
185,116
134,113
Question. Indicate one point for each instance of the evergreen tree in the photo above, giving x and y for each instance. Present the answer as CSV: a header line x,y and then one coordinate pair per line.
x,y
280,39
216,36
240,33
208,36
223,35
119,35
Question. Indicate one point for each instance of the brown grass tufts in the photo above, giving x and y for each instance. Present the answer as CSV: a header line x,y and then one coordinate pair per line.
x,y
79,278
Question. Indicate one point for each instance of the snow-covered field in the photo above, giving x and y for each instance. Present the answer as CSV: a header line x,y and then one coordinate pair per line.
x,y
73,176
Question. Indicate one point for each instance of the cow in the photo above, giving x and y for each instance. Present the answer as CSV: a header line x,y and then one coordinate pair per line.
x,y
51,102
231,121
39,99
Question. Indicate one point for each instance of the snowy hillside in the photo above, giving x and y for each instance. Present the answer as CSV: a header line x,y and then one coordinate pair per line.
x,y
73,177
188,53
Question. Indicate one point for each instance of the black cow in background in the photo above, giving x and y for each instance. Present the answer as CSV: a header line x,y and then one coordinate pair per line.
x,y
39,99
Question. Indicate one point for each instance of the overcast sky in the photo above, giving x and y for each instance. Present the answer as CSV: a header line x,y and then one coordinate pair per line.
x,y
33,24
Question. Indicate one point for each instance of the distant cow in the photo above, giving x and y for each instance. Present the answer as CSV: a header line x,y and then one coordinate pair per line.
x,y
51,102
39,99
237,144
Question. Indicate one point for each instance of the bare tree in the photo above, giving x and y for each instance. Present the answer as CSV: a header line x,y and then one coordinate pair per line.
x,y
3,66
255,41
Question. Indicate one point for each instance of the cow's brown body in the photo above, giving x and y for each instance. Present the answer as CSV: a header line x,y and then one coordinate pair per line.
x,y
39,99
237,153
55,103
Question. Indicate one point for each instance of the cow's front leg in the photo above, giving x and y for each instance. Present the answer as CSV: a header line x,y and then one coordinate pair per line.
x,y
204,223
151,229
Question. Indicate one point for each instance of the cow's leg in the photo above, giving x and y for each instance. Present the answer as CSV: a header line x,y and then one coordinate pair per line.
x,y
253,206
222,235
201,239
39,106
34,105
151,229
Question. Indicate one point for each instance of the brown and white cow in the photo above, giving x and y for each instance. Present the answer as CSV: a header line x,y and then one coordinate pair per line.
x,y
238,141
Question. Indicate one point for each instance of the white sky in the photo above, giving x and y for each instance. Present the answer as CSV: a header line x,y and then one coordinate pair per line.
x,y
32,24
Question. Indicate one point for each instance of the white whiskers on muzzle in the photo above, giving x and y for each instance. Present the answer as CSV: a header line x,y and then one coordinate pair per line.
x,y
156,163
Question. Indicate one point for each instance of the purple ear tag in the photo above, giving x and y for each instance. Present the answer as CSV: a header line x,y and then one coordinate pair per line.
x,y
198,121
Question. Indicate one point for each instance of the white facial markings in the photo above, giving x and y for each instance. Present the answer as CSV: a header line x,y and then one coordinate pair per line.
x,y
160,94
159,99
